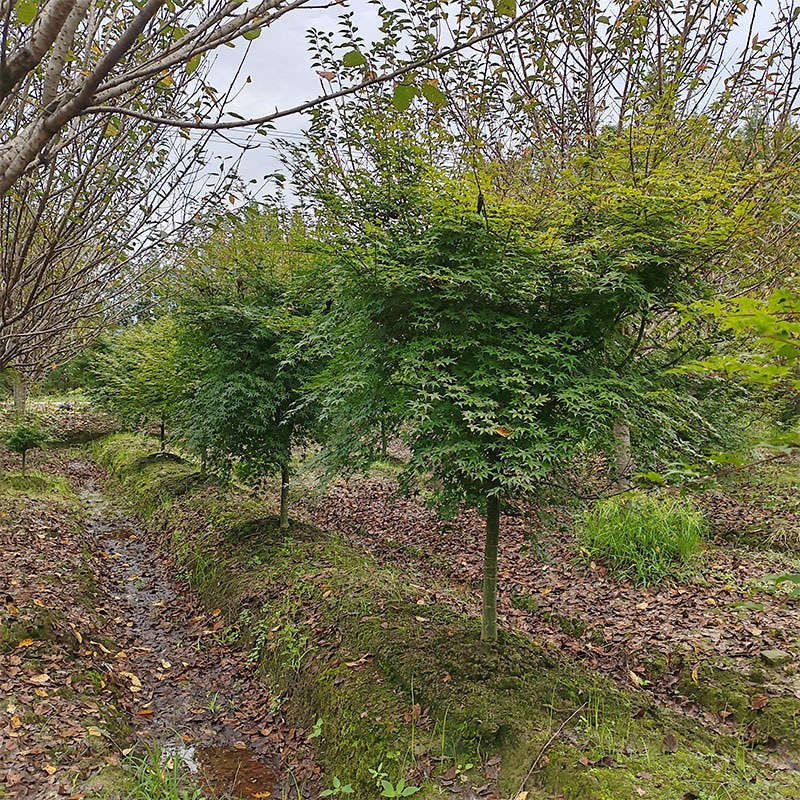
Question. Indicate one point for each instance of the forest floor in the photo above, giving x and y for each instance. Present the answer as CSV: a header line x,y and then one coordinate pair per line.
x,y
109,665
725,613
110,671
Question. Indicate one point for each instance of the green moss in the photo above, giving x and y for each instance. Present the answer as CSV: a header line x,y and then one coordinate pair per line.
x,y
34,484
729,691
397,678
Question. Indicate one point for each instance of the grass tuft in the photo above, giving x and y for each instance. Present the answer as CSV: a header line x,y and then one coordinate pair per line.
x,y
643,537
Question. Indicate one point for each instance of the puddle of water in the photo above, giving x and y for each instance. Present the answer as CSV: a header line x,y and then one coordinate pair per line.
x,y
228,771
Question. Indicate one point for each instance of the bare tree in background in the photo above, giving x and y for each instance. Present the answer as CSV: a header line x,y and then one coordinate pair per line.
x,y
67,60
86,233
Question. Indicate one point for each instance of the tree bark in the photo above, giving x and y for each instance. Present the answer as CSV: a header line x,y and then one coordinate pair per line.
x,y
489,618
284,498
623,463
384,440
19,391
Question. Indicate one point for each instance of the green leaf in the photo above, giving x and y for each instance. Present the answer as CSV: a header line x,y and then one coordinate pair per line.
x,y
193,63
354,59
506,8
404,95
26,11
252,34
113,127
433,94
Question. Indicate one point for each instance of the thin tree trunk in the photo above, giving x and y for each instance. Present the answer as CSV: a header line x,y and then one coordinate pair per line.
x,y
623,463
163,434
284,497
24,462
19,391
489,619
384,442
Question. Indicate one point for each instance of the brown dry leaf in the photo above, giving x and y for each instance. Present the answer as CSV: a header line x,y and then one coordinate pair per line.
x,y
136,684
503,431
759,701
39,680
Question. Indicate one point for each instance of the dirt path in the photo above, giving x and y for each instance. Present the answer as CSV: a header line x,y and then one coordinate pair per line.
x,y
159,672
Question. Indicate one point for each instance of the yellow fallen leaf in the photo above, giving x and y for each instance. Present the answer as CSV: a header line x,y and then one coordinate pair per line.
x,y
38,602
216,612
39,680
165,664
16,723
49,769
134,679
145,712
40,692
24,643
263,794
93,731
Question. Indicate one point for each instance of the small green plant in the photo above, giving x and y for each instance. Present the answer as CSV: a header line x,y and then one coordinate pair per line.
x,y
643,537
398,789
337,789
316,730
158,775
792,579
379,774
24,436
213,703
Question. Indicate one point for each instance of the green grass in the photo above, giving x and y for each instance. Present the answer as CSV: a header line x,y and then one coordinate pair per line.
x,y
643,537
149,774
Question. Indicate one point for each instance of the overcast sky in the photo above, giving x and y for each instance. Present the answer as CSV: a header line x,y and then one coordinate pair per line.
x,y
281,75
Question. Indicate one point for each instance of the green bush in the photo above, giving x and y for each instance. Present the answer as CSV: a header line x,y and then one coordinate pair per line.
x,y
26,435
643,537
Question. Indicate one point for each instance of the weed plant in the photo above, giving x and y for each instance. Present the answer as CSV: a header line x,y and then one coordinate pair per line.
x,y
643,537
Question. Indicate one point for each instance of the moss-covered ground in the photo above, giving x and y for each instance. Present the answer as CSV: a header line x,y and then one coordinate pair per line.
x,y
396,682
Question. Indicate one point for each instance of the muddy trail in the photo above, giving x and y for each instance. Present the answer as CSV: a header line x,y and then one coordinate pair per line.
x,y
179,691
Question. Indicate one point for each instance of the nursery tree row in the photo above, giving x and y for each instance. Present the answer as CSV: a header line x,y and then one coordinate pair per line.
x,y
506,278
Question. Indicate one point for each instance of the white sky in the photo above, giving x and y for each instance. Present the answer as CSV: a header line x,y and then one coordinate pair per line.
x,y
282,76
279,65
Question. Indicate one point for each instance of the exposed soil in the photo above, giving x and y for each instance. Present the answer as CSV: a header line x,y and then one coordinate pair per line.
x,y
140,661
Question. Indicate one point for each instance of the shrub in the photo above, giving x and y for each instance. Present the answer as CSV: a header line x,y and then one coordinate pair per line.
x,y
25,435
643,537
